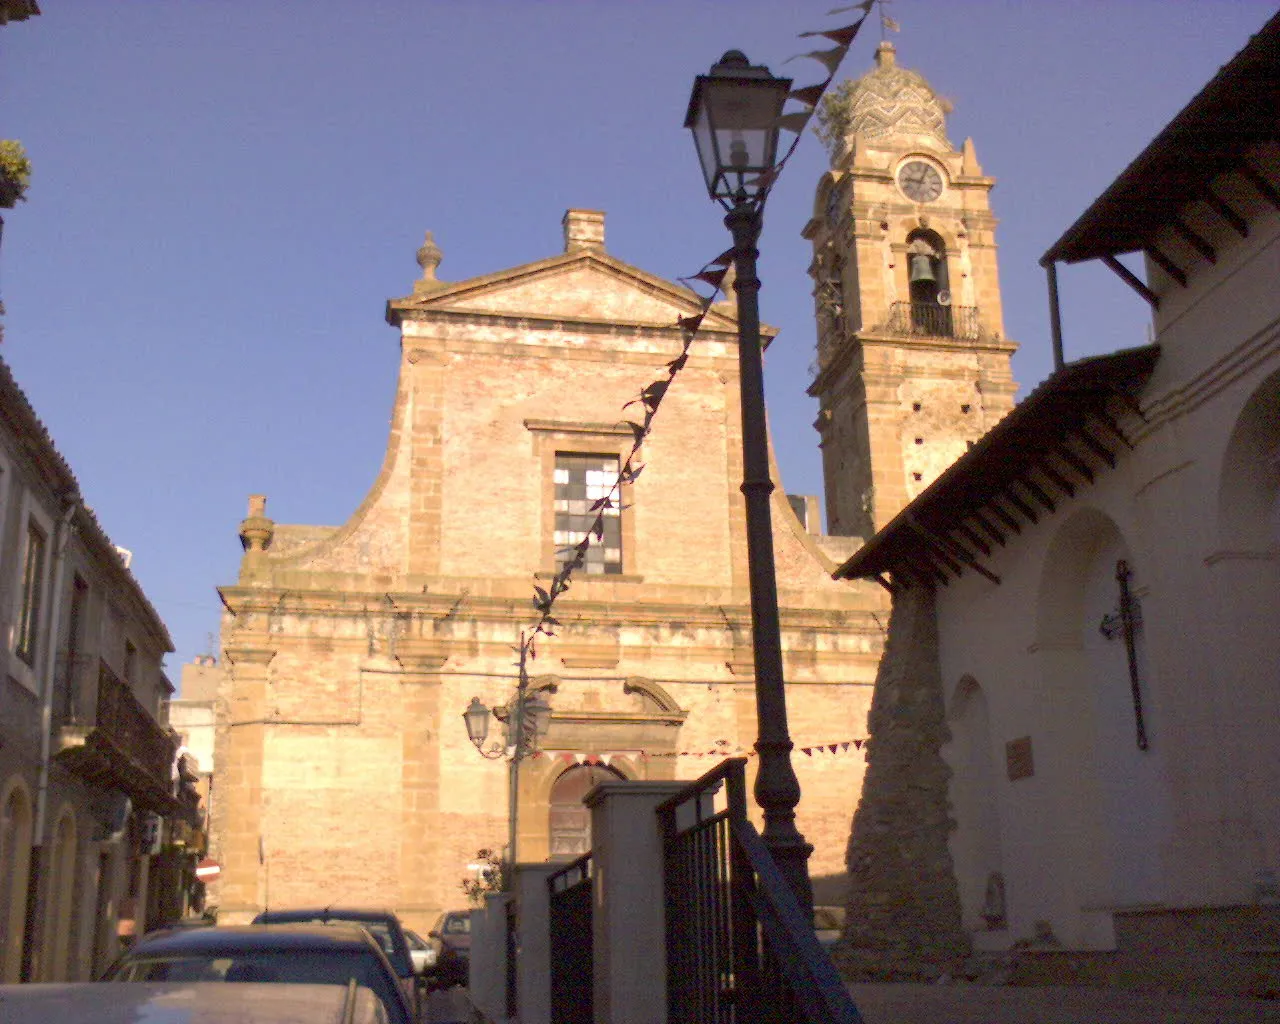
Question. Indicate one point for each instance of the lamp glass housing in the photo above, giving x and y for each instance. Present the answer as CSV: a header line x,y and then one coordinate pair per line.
x,y
539,711
733,114
477,718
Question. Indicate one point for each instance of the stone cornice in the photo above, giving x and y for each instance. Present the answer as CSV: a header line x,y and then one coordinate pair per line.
x,y
525,322
712,608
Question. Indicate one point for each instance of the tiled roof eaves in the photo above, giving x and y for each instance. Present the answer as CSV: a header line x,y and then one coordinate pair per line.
x,y
17,412
1006,454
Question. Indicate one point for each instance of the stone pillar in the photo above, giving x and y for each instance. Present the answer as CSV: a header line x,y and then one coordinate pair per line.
x,y
904,920
240,780
487,983
533,964
419,785
628,920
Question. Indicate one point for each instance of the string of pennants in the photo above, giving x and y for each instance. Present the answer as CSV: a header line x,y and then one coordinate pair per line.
x,y
580,757
711,274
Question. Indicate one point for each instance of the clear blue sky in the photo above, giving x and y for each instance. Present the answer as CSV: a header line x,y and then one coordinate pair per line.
x,y
226,193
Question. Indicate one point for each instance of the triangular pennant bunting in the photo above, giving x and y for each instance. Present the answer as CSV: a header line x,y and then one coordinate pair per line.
x,y
809,94
794,122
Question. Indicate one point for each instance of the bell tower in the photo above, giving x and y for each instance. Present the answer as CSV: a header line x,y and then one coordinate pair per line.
x,y
913,366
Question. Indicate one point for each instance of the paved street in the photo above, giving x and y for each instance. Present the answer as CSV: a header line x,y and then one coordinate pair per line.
x,y
448,1007
982,1004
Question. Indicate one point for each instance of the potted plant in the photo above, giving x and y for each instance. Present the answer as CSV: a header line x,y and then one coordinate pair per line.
x,y
15,173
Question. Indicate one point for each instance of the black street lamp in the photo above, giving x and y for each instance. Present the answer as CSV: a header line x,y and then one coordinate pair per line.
x,y
527,720
734,114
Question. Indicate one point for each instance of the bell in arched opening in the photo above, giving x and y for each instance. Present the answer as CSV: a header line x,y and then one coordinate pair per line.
x,y
927,279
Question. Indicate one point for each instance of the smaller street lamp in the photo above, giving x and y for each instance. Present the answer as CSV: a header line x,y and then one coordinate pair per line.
x,y
527,720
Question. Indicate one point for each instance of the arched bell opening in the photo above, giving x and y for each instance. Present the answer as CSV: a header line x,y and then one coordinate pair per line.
x,y
929,282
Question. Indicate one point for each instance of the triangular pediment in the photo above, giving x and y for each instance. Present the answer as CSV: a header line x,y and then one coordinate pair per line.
x,y
589,287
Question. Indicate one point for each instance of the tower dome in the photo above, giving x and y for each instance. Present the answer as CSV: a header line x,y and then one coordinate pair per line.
x,y
888,101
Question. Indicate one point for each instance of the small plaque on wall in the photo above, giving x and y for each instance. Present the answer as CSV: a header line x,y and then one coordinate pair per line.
x,y
1018,761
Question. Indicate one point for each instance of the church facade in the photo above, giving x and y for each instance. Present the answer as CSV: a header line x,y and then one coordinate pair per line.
x,y
351,651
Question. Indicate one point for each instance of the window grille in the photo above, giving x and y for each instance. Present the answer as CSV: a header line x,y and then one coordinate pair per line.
x,y
581,481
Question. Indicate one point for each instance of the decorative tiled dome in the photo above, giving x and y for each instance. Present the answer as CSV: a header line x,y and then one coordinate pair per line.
x,y
887,101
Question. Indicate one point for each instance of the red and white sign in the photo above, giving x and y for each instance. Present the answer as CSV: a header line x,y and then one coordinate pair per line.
x,y
207,870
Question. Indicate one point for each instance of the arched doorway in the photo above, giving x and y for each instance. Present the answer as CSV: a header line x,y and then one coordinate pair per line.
x,y
60,897
570,818
975,843
15,861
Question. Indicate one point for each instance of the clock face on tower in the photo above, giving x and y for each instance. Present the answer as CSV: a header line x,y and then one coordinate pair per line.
x,y
920,181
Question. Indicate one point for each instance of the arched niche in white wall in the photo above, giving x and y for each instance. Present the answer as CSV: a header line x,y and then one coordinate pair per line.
x,y
1249,483
1112,792
975,843
1244,606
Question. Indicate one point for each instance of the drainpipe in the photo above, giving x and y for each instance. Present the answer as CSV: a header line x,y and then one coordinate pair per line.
x,y
49,664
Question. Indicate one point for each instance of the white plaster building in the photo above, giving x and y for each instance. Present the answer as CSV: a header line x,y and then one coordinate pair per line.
x,y
1104,569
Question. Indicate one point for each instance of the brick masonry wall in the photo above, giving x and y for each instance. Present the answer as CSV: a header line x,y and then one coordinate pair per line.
x,y
349,776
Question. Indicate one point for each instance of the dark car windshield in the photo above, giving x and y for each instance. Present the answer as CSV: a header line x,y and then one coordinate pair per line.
x,y
457,924
379,929
302,966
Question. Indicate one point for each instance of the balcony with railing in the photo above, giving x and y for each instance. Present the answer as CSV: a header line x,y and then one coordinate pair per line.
x,y
109,739
931,320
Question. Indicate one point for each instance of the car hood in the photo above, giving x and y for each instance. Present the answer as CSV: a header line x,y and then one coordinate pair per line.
x,y
196,1003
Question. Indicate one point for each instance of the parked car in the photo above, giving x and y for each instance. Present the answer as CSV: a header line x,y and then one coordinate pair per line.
x,y
344,955
828,923
201,1002
383,925
421,952
452,934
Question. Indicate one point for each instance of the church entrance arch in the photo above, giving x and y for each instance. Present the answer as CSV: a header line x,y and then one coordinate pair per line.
x,y
570,825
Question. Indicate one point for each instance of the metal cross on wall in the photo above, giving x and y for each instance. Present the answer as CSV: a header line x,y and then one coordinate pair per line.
x,y
1128,619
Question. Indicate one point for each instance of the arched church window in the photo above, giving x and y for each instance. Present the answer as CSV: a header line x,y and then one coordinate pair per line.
x,y
570,817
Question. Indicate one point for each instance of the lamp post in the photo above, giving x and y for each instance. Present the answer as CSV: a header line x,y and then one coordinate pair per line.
x,y
733,113
528,719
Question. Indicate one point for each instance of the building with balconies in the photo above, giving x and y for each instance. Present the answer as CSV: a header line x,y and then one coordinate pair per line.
x,y
89,780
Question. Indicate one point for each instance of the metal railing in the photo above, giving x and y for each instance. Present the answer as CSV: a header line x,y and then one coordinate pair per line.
x,y
572,979
928,319
739,947
132,729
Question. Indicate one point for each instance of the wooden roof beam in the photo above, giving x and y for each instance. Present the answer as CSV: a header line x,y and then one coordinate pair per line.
x,y
1219,206
1113,427
1057,479
1167,265
1074,461
1096,446
974,538
1195,240
1264,187
1038,493
1132,280
987,528
1003,516
966,556
1020,505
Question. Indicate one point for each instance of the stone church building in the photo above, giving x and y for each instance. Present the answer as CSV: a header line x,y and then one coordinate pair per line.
x,y
351,651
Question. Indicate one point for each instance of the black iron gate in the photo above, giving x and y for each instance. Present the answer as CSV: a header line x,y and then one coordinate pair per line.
x,y
572,978
739,947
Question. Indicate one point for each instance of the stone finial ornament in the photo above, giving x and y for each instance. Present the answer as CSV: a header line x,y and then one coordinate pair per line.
x,y
429,256
256,530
